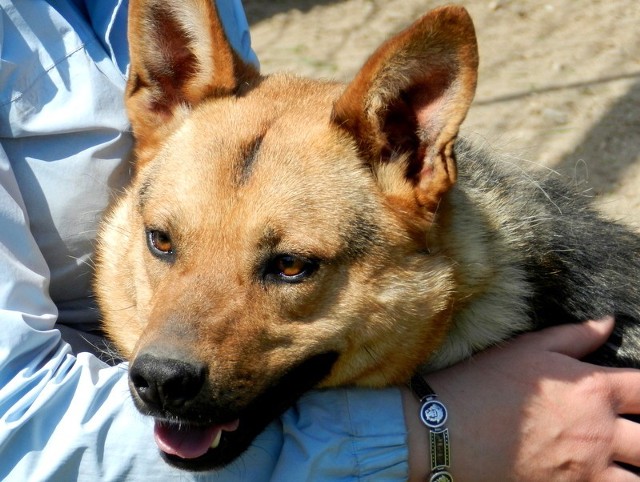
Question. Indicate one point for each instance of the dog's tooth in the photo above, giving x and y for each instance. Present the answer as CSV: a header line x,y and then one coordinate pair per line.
x,y
216,440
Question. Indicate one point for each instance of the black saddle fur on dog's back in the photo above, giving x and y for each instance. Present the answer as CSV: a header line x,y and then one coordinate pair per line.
x,y
578,265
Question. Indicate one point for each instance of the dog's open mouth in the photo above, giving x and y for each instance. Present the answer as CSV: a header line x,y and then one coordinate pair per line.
x,y
189,442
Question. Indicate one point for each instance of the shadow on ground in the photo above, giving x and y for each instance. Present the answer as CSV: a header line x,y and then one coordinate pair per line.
x,y
258,10
603,156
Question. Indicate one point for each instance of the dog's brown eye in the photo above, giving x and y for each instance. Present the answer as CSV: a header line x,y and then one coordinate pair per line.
x,y
290,268
159,242
290,265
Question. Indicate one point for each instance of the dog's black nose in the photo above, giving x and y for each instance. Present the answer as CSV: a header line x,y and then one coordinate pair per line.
x,y
166,383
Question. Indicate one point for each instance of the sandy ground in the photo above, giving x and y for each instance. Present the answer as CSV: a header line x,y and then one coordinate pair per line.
x,y
559,80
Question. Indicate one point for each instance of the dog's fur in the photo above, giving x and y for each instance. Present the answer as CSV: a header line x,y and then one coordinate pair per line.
x,y
282,233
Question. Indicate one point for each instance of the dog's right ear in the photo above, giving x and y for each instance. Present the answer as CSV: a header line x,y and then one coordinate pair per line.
x,y
179,55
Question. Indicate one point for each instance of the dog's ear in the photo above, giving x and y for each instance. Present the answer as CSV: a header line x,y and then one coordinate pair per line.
x,y
179,55
411,97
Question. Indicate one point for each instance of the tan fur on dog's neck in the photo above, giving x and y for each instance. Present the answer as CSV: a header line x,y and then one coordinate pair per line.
x,y
488,291
491,289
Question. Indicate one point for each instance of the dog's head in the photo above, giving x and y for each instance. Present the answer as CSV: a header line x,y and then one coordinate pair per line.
x,y
279,233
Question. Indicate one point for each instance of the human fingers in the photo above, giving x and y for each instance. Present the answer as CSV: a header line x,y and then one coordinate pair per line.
x,y
575,340
623,386
626,443
616,473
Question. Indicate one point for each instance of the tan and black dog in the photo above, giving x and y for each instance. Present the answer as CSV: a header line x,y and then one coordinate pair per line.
x,y
282,233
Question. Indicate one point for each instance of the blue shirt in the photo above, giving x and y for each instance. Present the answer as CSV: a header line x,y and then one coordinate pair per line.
x,y
64,148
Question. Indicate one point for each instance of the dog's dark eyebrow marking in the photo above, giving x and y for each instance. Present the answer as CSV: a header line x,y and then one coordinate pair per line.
x,y
249,158
269,239
360,236
143,193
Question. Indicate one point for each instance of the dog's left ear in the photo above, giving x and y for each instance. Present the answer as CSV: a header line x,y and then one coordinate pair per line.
x,y
179,55
411,97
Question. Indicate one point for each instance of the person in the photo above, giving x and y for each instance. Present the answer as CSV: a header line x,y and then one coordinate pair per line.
x,y
528,410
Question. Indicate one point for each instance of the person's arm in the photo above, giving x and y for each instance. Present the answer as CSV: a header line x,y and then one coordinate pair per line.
x,y
530,411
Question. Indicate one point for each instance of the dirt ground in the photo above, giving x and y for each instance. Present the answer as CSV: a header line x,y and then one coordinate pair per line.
x,y
559,80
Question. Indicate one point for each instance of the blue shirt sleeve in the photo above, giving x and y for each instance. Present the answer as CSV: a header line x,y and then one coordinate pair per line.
x,y
64,147
344,435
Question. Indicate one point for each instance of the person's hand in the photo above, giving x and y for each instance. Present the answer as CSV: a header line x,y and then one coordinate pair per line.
x,y
531,411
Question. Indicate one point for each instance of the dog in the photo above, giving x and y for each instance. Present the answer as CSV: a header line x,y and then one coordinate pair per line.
x,y
281,234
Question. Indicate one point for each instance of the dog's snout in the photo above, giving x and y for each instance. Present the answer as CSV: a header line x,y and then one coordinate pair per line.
x,y
166,383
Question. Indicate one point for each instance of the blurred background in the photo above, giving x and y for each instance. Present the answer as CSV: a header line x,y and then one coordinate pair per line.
x,y
559,83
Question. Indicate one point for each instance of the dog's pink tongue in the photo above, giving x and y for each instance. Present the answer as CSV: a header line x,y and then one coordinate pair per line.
x,y
189,442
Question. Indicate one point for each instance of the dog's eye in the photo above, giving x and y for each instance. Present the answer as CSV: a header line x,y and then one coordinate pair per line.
x,y
159,243
290,268
290,265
